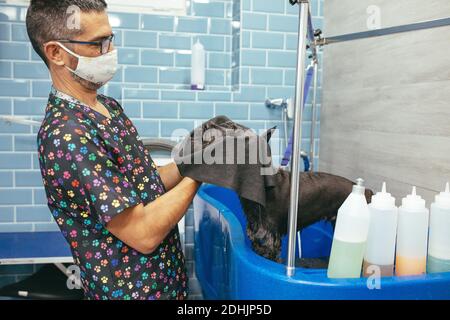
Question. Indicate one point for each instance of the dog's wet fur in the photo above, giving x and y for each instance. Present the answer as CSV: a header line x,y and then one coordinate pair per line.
x,y
321,195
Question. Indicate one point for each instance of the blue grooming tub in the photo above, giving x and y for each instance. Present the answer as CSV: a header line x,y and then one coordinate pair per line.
x,y
227,267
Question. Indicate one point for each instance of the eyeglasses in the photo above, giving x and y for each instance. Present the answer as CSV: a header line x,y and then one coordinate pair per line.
x,y
103,44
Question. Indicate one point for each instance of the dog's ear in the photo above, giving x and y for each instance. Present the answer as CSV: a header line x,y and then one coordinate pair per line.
x,y
268,133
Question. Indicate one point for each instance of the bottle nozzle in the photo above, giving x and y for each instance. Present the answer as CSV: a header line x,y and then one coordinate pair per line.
x,y
413,201
359,187
383,200
443,199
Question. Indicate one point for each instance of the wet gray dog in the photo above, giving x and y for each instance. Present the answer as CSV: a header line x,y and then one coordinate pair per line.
x,y
321,195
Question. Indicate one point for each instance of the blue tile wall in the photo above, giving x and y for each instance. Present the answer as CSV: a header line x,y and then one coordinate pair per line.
x,y
155,23
141,39
192,25
5,32
247,63
269,6
171,41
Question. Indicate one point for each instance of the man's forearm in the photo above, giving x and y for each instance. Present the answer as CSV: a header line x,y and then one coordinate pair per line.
x,y
162,214
170,175
145,227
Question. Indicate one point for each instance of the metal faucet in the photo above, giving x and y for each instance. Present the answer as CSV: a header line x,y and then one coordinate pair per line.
x,y
276,103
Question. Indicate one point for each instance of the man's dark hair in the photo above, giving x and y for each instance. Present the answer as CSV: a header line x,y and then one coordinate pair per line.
x,y
47,20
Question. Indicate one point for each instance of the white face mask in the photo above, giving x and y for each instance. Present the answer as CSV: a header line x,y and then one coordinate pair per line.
x,y
98,70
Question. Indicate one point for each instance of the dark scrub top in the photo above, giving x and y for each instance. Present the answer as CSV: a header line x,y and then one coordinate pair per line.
x,y
93,168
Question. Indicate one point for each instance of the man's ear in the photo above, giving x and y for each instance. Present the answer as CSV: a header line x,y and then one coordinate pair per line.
x,y
268,133
54,54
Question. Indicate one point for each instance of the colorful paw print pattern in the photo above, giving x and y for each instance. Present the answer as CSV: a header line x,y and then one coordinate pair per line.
x,y
93,168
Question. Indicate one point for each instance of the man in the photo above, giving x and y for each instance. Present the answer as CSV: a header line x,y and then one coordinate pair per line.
x,y
117,211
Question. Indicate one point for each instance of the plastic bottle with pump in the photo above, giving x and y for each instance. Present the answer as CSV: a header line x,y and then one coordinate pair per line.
x,y
380,250
412,236
439,241
350,235
198,66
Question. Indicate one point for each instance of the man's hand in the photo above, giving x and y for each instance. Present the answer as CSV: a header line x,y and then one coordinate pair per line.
x,y
170,175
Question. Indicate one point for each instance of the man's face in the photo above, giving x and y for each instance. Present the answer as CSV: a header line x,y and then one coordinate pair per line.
x,y
95,27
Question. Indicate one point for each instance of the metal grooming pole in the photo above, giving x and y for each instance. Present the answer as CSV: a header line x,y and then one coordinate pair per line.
x,y
297,136
312,35
385,31
312,152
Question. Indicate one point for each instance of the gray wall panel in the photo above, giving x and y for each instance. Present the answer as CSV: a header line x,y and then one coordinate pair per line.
x,y
386,101
349,16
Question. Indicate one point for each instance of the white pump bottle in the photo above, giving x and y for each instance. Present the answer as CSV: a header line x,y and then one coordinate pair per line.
x,y
350,235
380,251
198,63
412,236
439,245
